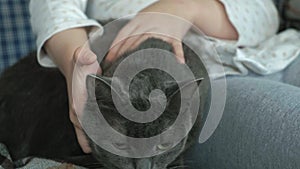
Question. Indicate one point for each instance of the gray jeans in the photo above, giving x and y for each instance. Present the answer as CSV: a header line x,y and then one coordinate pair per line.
x,y
260,127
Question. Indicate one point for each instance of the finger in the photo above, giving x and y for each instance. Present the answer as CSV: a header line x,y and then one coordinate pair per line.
x,y
73,118
78,87
119,41
84,56
124,33
79,132
83,142
128,44
99,71
178,50
177,46
113,51
141,39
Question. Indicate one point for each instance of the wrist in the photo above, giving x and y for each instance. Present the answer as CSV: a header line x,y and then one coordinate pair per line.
x,y
61,48
202,10
198,9
174,7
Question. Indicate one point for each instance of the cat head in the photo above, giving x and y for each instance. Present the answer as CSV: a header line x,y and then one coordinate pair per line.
x,y
140,89
101,90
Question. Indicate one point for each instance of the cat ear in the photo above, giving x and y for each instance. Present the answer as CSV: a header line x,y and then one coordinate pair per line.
x,y
98,84
187,87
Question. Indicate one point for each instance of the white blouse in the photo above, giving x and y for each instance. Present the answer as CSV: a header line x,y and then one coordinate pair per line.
x,y
258,47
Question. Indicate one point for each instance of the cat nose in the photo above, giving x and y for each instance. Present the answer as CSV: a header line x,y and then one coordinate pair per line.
x,y
143,164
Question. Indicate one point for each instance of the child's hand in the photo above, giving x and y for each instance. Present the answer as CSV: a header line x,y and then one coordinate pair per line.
x,y
85,62
168,21
77,61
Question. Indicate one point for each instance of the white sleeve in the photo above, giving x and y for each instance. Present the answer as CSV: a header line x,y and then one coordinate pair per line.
x,y
49,17
108,9
254,20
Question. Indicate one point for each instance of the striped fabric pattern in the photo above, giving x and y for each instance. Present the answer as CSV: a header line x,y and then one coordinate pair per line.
x,y
16,37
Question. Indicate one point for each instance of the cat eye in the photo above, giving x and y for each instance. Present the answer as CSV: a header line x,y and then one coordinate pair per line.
x,y
120,146
165,146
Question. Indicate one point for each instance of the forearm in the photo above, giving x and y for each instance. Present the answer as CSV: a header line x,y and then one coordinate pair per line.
x,y
62,45
208,15
211,18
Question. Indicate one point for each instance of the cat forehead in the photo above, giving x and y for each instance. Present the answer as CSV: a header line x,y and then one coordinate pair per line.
x,y
143,81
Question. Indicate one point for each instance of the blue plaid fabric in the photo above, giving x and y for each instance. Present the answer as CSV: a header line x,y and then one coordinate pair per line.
x,y
16,37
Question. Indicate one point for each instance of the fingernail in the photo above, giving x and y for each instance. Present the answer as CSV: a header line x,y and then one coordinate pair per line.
x,y
181,60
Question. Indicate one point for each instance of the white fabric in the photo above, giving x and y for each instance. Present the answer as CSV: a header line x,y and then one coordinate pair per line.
x,y
258,48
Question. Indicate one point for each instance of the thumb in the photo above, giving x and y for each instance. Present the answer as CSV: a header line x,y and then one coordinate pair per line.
x,y
84,56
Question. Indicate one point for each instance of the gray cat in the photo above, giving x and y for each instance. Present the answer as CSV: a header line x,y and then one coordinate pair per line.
x,y
34,113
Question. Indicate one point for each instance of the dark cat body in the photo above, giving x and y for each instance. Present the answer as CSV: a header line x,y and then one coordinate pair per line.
x,y
34,111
